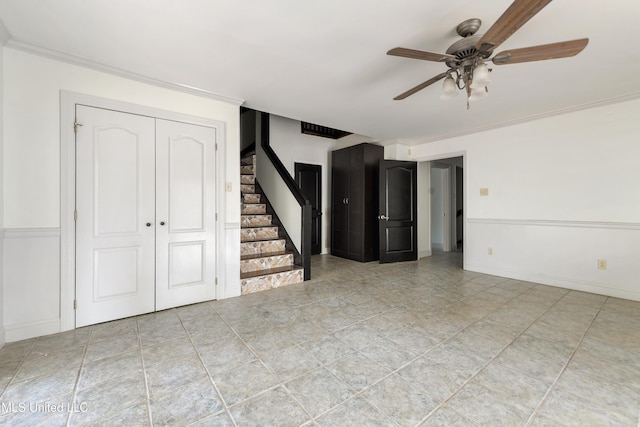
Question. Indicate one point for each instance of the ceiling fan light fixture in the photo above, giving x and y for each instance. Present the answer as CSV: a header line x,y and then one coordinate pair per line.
x,y
449,88
467,58
478,93
480,76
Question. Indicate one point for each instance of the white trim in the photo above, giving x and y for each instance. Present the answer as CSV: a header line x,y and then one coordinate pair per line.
x,y
557,223
424,253
27,330
26,233
230,287
68,102
86,63
562,282
221,234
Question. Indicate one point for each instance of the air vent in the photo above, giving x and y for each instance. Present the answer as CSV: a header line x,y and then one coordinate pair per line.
x,y
323,131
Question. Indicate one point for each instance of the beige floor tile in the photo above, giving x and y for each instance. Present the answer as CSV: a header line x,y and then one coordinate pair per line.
x,y
415,343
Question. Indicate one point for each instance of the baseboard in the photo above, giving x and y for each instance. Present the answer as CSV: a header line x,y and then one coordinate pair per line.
x,y
560,282
424,253
27,330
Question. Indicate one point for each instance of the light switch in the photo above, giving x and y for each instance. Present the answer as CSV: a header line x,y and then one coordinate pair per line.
x,y
228,187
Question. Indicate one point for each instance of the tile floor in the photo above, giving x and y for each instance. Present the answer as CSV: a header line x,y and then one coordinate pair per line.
x,y
419,343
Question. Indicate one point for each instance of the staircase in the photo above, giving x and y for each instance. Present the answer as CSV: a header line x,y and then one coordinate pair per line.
x,y
264,261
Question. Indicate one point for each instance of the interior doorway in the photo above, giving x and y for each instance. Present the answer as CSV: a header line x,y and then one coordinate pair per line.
x,y
447,196
309,179
441,203
440,208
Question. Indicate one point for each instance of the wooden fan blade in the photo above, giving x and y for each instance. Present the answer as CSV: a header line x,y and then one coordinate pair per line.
x,y
420,54
420,87
542,52
511,20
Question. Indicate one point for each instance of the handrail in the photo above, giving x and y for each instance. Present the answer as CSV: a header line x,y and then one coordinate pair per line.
x,y
305,249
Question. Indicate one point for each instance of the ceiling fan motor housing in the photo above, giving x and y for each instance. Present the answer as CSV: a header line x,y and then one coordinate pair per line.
x,y
465,49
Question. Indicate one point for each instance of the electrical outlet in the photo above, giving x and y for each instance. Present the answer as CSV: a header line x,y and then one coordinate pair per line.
x,y
484,191
602,264
490,251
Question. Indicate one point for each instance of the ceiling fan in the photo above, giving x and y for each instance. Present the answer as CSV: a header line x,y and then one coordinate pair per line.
x,y
466,57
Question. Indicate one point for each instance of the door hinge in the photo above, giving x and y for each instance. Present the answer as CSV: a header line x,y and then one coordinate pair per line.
x,y
75,126
75,215
75,304
216,146
216,280
216,216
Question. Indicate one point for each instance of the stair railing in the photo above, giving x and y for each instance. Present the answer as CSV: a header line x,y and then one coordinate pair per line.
x,y
293,209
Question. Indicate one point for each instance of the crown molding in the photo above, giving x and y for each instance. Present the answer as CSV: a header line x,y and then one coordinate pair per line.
x,y
97,66
534,117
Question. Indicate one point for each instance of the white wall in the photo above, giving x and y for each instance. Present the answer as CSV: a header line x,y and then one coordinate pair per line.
x,y
293,147
32,132
2,332
438,176
280,197
424,209
32,193
563,193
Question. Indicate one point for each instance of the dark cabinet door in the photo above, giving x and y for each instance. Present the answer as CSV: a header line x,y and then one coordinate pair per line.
x,y
355,204
398,211
339,210
354,226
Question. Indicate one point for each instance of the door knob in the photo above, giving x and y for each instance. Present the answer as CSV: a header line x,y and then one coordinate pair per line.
x,y
161,222
148,224
383,217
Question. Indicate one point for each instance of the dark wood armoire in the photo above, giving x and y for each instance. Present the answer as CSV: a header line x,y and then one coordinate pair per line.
x,y
354,196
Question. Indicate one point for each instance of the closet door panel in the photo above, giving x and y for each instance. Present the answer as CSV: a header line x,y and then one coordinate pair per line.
x,y
339,207
187,184
185,214
115,204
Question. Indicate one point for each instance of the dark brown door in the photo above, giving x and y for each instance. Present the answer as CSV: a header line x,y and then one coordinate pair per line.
x,y
398,211
355,204
339,207
309,179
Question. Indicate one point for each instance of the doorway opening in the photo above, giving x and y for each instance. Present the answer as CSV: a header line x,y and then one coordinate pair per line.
x,y
442,207
309,179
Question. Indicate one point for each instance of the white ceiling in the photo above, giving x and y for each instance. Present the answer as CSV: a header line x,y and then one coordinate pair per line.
x,y
325,61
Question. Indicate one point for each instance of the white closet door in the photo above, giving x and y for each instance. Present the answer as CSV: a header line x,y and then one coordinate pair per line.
x,y
115,204
185,214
